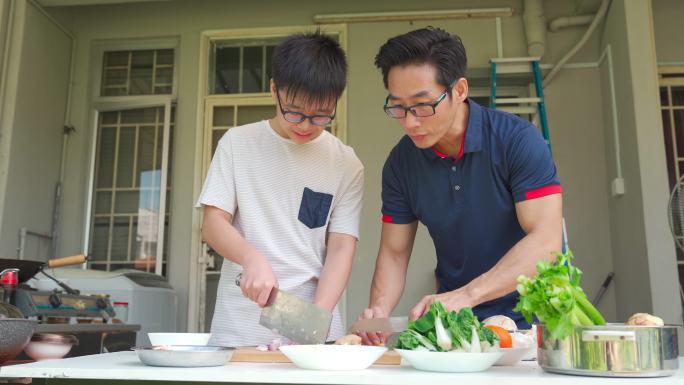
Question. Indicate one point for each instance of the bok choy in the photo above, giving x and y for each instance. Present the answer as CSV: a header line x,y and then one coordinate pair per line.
x,y
441,330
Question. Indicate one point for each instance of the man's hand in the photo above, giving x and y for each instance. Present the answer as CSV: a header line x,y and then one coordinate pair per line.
x,y
257,279
452,300
373,338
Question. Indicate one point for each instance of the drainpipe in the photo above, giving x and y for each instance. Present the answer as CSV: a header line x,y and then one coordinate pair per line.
x,y
600,14
535,27
570,21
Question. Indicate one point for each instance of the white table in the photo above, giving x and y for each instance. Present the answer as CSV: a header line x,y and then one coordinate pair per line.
x,y
126,366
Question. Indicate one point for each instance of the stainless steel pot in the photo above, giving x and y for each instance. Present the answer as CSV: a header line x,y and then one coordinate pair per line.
x,y
613,350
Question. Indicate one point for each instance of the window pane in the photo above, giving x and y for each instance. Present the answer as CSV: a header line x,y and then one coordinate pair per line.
x,y
146,153
103,202
126,202
163,90
164,56
110,117
124,167
215,137
142,59
105,164
250,114
252,71
223,117
141,81
115,91
116,59
678,97
115,77
664,101
164,76
227,70
139,116
269,55
120,239
679,130
669,153
98,246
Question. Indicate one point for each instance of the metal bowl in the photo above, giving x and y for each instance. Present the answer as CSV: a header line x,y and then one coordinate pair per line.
x,y
184,355
15,333
613,350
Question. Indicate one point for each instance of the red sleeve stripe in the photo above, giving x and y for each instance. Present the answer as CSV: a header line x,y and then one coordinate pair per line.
x,y
543,191
387,218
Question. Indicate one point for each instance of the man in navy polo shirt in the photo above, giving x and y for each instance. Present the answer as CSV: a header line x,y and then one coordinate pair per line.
x,y
482,181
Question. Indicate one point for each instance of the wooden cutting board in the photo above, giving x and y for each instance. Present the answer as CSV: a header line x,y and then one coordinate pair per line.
x,y
251,354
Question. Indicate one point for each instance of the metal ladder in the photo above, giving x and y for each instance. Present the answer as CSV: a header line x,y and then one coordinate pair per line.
x,y
520,65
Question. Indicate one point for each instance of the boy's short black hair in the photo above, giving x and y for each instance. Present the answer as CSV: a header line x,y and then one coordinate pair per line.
x,y
312,65
427,45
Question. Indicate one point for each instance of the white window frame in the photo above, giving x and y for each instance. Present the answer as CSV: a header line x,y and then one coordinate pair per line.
x,y
101,104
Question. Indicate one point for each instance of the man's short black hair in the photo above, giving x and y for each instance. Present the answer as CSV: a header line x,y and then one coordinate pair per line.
x,y
312,65
429,45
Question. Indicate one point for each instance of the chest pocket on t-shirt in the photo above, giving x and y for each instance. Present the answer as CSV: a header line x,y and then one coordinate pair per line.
x,y
313,211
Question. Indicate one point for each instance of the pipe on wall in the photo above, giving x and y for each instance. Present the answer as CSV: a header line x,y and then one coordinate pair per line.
x,y
600,14
570,21
535,27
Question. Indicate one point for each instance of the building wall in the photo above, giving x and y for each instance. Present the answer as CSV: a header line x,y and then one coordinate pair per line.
x,y
667,19
575,119
643,257
38,106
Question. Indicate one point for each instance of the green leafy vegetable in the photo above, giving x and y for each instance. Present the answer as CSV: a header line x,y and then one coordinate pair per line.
x,y
555,297
442,330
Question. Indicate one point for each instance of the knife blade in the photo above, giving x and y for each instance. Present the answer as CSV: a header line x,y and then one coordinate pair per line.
x,y
387,325
294,318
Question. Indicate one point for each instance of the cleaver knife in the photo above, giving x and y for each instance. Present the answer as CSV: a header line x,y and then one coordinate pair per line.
x,y
294,318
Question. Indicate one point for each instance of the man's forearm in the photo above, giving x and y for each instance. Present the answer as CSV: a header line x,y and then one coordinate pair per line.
x,y
388,282
521,259
336,270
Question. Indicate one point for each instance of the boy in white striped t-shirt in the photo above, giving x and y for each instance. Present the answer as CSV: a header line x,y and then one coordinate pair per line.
x,y
282,199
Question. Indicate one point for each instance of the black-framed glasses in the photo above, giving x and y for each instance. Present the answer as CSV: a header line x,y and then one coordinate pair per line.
x,y
419,110
298,117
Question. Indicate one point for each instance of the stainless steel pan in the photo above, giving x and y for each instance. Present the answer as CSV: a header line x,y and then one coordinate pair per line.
x,y
613,350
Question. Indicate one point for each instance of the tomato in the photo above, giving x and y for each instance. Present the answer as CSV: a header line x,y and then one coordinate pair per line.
x,y
505,340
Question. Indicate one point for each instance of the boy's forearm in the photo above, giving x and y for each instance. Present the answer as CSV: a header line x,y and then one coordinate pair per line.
x,y
336,270
219,233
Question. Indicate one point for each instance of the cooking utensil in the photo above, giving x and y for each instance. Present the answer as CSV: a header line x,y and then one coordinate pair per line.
x,y
28,269
15,333
386,325
294,318
184,356
613,350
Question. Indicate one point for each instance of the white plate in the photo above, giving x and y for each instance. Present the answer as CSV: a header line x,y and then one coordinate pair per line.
x,y
511,356
193,339
333,357
452,362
